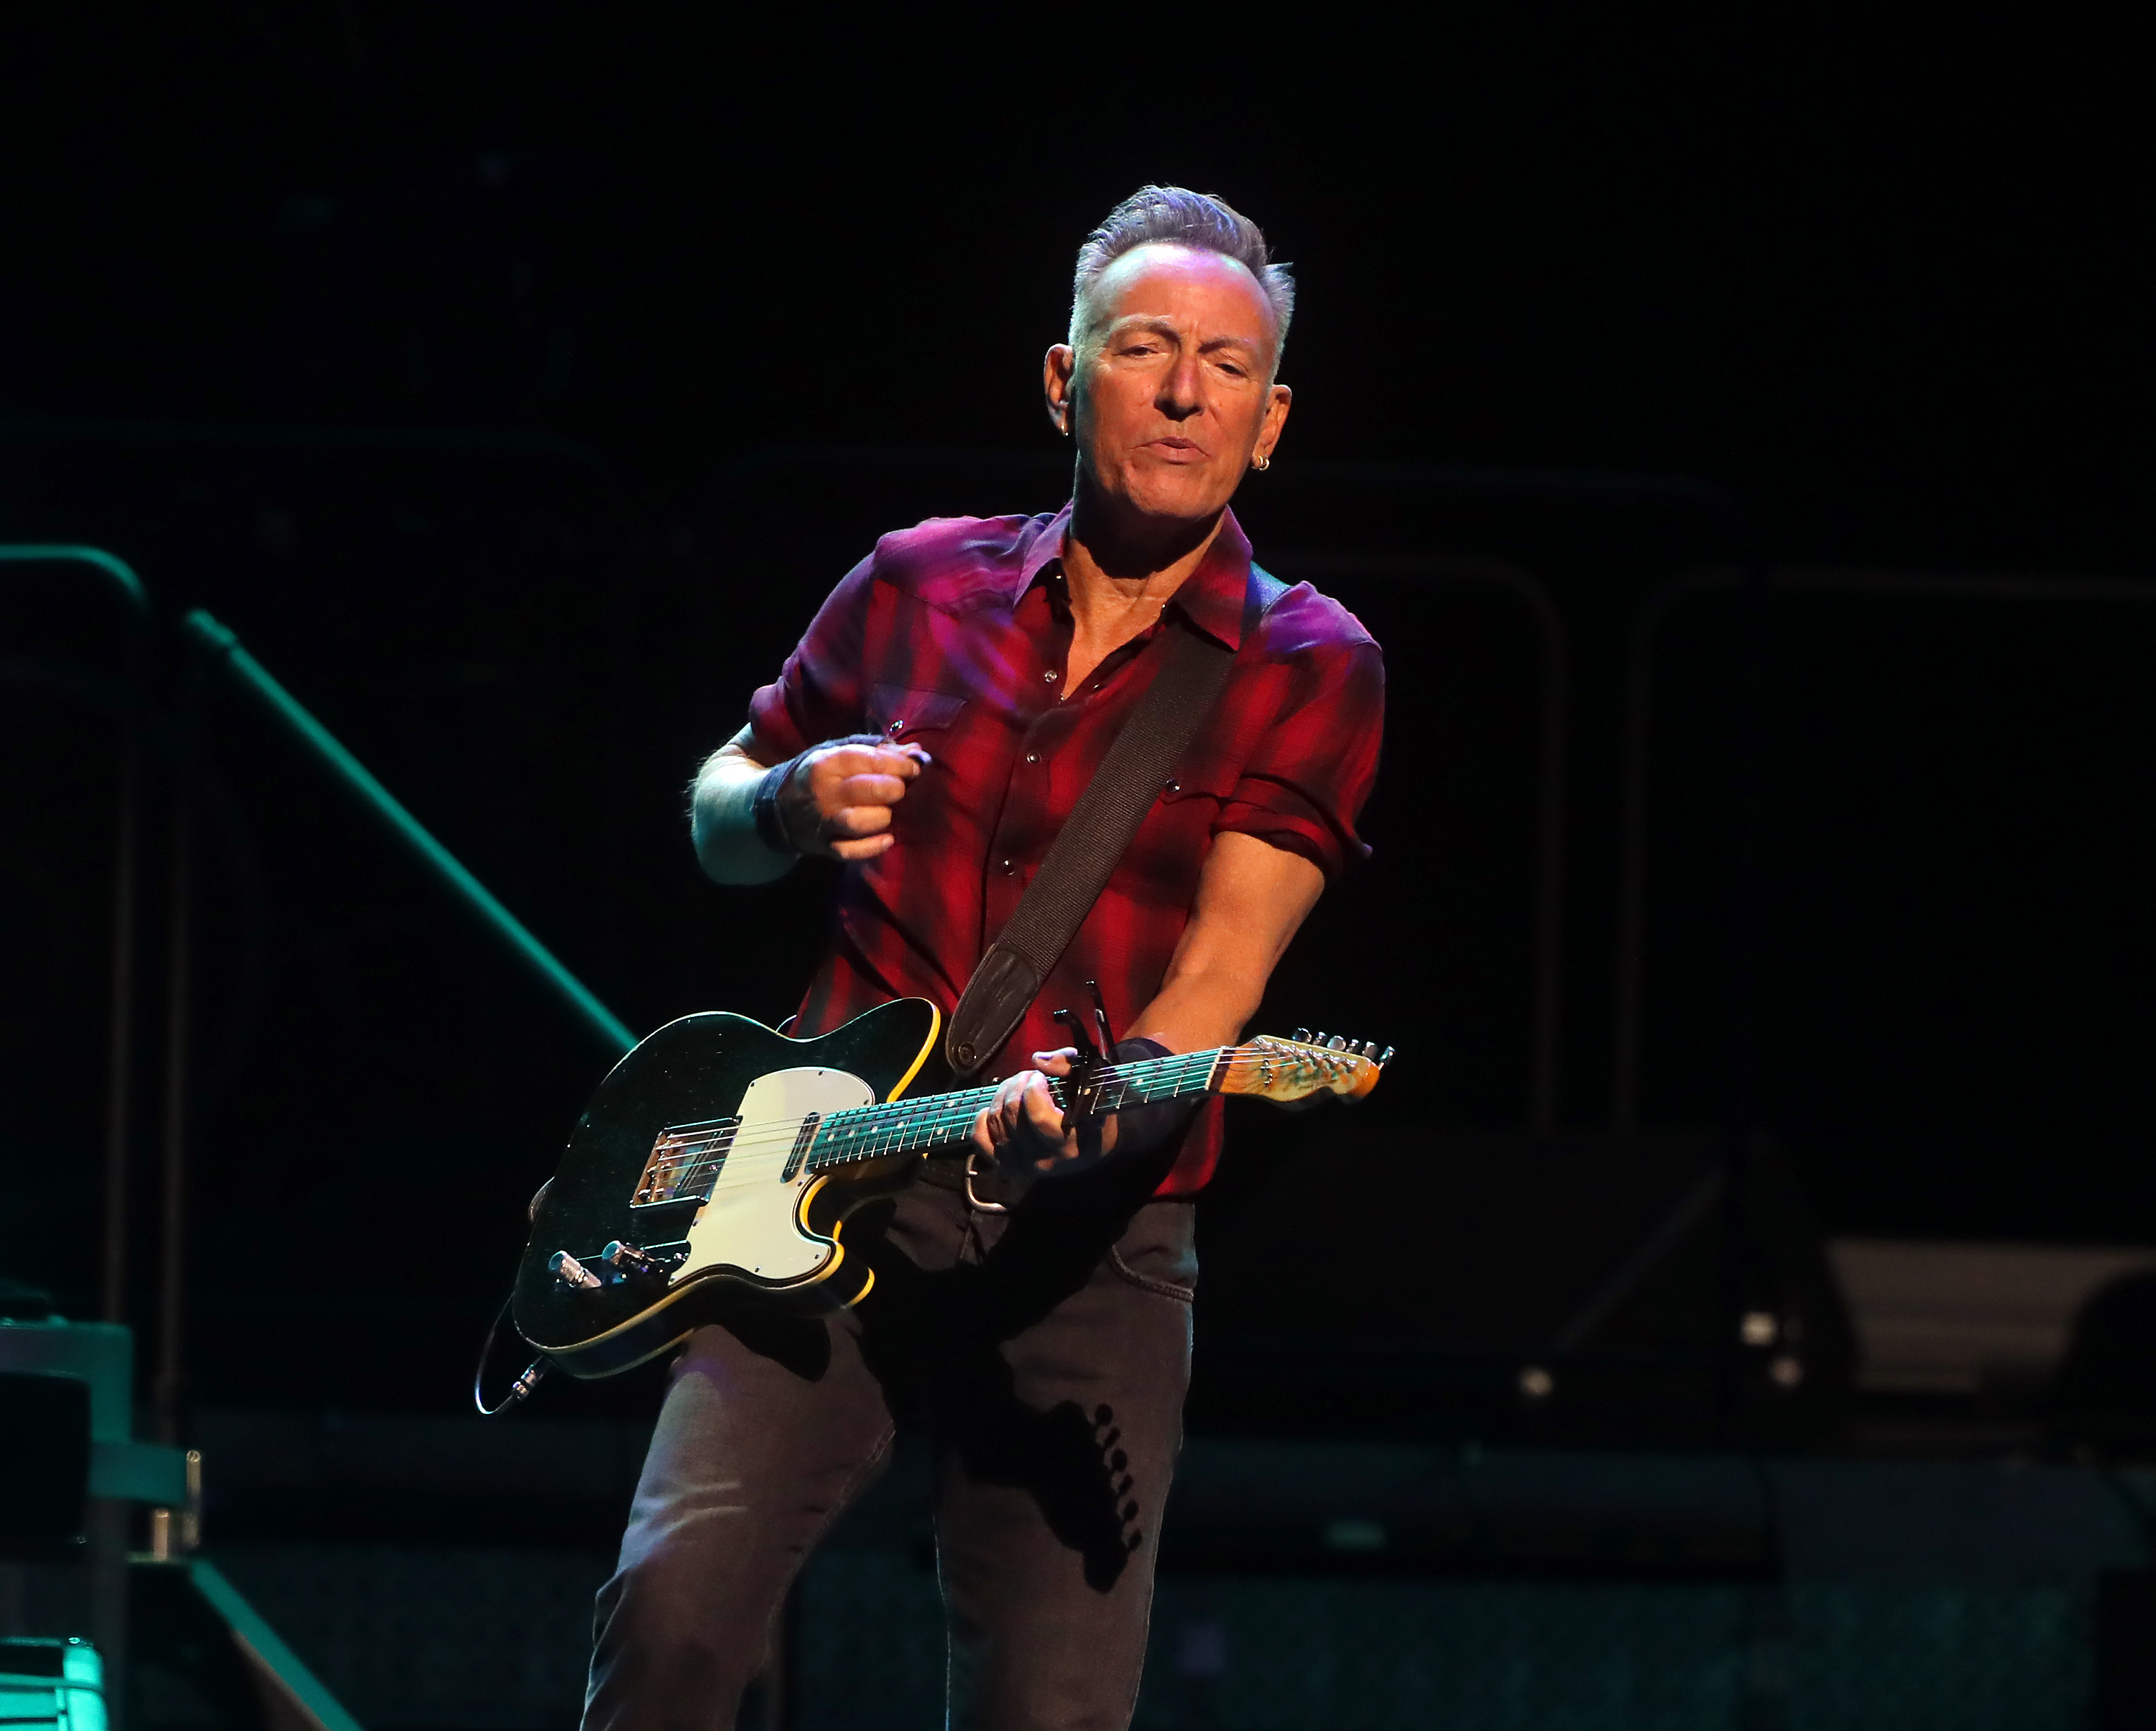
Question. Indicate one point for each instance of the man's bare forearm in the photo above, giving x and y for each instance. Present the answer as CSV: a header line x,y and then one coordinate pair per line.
x,y
1252,898
722,818
1198,1009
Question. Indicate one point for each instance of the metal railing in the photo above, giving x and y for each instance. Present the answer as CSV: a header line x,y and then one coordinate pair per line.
x,y
222,649
119,579
141,726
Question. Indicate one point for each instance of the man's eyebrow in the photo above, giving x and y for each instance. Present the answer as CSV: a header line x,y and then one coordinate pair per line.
x,y
1167,327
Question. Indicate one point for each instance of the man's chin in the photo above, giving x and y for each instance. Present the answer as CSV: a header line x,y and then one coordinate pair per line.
x,y
1173,494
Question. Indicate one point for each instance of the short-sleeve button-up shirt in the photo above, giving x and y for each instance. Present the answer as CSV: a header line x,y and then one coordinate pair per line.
x,y
956,634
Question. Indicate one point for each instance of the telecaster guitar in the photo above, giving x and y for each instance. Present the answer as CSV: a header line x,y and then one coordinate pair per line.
x,y
719,1160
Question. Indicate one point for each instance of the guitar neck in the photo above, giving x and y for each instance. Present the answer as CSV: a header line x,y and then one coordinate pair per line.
x,y
686,1162
906,1126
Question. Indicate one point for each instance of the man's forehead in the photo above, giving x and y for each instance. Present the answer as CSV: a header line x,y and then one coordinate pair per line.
x,y
1148,278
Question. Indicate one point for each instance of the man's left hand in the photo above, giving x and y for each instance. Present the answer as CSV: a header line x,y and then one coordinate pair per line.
x,y
1023,1131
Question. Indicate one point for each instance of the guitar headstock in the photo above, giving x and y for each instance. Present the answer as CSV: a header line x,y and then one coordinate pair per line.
x,y
1283,1071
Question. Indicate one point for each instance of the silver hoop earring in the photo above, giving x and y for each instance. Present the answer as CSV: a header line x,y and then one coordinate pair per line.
x,y
1262,462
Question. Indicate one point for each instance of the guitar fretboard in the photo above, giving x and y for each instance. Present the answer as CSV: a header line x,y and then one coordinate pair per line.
x,y
906,1126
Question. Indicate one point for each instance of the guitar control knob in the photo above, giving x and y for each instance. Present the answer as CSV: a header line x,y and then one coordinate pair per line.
x,y
571,1273
627,1260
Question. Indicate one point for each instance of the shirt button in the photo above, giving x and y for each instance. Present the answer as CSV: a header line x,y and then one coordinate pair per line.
x,y
1007,868
898,726
1049,677
1174,787
1033,757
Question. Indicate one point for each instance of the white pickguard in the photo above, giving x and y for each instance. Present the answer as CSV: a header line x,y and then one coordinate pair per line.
x,y
749,1221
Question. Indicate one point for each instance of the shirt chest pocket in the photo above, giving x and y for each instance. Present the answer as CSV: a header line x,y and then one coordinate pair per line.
x,y
903,711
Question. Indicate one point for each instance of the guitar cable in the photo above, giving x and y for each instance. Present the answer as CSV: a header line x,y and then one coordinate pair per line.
x,y
521,1390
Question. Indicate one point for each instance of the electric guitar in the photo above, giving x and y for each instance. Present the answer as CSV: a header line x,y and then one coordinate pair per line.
x,y
719,1160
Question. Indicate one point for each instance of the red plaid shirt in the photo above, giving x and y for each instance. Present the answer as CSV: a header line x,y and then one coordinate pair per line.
x,y
956,634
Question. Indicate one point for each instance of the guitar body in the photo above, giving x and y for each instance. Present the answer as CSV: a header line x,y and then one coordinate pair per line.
x,y
722,1097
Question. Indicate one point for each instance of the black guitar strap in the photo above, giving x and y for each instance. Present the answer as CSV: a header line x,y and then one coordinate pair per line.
x,y
1099,828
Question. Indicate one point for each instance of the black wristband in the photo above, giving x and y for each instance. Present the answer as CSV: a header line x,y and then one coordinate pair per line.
x,y
770,830
770,820
1141,1129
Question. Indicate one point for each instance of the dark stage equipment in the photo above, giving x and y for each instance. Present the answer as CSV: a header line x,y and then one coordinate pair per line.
x,y
1508,1287
77,1494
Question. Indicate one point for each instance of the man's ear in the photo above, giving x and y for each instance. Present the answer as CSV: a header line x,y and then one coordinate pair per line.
x,y
1279,400
1057,368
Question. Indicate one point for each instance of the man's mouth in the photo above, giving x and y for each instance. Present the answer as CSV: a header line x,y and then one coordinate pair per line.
x,y
1177,447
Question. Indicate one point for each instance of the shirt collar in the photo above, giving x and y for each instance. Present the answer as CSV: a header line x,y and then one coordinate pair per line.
x,y
1211,597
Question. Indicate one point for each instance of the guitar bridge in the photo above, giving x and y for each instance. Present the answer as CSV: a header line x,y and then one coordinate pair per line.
x,y
684,1161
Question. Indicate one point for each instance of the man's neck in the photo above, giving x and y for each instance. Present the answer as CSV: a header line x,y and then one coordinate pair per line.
x,y
1115,567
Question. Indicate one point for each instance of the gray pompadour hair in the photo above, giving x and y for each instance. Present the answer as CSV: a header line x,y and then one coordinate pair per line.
x,y
1183,218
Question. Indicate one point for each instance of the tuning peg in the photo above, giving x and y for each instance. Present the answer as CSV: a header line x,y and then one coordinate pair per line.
x,y
1300,1034
1336,1043
1384,1057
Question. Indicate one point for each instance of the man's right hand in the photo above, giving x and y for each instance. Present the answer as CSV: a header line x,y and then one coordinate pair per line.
x,y
836,801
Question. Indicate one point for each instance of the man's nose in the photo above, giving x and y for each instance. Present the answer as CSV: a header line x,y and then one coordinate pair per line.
x,y
1179,397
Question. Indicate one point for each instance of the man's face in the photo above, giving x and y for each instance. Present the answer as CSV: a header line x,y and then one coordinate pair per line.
x,y
1171,387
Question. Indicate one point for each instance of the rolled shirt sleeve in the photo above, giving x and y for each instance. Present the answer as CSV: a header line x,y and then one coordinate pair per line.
x,y
1305,781
819,693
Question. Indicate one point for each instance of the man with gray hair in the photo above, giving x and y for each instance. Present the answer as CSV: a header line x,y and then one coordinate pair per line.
x,y
933,730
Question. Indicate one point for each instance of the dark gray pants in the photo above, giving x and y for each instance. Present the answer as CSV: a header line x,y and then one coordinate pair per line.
x,y
1047,1352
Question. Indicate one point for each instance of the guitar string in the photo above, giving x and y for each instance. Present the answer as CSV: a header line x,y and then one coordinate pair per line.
x,y
754,1161
1177,1070
899,1125
895,1126
898,1118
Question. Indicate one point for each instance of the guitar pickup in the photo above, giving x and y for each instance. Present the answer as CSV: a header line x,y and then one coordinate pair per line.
x,y
684,1160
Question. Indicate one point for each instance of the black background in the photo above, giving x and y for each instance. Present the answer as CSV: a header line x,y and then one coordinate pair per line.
x,y
515,379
